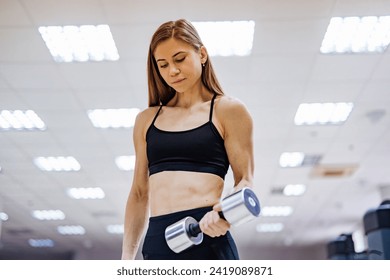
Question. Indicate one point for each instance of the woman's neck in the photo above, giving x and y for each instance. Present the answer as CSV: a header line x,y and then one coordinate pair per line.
x,y
190,98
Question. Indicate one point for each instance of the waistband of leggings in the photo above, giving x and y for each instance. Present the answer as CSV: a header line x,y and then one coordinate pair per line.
x,y
181,213
168,219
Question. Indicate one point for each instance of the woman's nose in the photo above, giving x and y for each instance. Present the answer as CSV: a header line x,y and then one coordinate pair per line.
x,y
173,71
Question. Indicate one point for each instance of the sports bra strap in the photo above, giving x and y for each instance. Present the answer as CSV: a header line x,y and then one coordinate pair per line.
x,y
155,117
211,107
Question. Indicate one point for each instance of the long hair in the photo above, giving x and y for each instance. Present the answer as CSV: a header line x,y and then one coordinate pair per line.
x,y
159,91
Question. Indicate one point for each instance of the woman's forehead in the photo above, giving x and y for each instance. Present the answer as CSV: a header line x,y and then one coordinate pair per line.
x,y
170,47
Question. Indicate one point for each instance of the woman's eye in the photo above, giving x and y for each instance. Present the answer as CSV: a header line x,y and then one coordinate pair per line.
x,y
180,59
163,65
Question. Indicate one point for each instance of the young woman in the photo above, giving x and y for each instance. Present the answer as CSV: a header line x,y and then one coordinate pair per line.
x,y
184,143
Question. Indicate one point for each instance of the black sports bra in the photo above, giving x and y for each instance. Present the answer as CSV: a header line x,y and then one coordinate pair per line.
x,y
200,149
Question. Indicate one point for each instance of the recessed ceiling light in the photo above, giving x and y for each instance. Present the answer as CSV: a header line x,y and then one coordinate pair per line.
x,y
322,113
80,43
86,193
113,118
271,227
276,211
298,159
20,120
48,215
294,190
357,35
126,163
57,163
3,216
115,229
71,230
292,159
41,243
227,38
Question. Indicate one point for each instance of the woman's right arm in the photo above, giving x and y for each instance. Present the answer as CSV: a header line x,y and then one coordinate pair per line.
x,y
137,210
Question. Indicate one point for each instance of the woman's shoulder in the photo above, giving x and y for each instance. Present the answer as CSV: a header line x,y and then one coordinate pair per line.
x,y
227,105
146,116
149,112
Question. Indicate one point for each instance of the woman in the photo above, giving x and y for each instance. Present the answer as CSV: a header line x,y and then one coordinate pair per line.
x,y
184,143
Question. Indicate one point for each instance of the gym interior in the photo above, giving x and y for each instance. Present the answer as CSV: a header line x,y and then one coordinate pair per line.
x,y
319,101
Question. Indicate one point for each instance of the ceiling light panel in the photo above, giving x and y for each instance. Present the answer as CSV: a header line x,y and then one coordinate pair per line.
x,y
48,215
298,159
113,118
57,163
115,229
86,193
294,190
125,163
3,216
276,211
271,227
41,243
293,159
20,120
370,34
322,113
71,230
227,38
80,43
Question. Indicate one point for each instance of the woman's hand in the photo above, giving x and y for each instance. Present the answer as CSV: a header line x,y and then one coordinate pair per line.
x,y
212,224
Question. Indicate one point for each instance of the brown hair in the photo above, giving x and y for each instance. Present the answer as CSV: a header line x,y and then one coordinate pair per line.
x,y
159,91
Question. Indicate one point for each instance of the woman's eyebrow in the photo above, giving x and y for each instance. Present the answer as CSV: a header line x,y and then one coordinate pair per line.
x,y
176,54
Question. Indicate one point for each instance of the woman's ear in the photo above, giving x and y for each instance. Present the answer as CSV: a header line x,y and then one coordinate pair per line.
x,y
203,54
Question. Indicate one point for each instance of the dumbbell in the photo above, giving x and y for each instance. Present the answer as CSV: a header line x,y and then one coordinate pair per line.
x,y
237,208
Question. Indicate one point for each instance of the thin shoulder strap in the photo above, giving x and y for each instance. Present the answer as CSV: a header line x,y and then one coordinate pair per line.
x,y
212,107
155,117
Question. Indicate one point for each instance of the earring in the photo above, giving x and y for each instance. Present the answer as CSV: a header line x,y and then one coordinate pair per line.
x,y
203,64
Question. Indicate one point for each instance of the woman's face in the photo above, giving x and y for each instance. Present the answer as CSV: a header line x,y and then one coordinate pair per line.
x,y
180,64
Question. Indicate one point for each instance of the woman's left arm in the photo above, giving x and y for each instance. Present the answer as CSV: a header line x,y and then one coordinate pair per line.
x,y
236,126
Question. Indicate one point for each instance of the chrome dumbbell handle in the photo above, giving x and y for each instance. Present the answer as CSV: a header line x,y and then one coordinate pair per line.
x,y
194,229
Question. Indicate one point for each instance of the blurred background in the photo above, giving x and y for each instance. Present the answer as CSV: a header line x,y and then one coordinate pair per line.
x,y
319,99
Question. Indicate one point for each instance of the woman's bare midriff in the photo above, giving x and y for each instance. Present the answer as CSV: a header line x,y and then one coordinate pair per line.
x,y
173,191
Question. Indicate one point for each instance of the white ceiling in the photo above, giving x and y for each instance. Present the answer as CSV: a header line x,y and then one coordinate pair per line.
x,y
284,70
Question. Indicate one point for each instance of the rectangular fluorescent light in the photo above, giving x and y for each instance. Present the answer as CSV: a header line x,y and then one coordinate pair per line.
x,y
293,159
271,227
80,43
86,193
298,159
41,243
20,120
48,215
322,113
3,216
57,163
294,189
115,229
71,230
370,34
113,118
227,38
276,211
125,163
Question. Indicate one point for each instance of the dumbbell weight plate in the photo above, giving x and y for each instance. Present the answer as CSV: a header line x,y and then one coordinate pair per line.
x,y
178,237
241,207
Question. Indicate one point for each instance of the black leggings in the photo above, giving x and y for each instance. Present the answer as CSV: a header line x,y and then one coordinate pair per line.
x,y
156,248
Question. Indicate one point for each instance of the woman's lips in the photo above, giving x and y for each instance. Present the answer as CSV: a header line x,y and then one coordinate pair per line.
x,y
178,81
